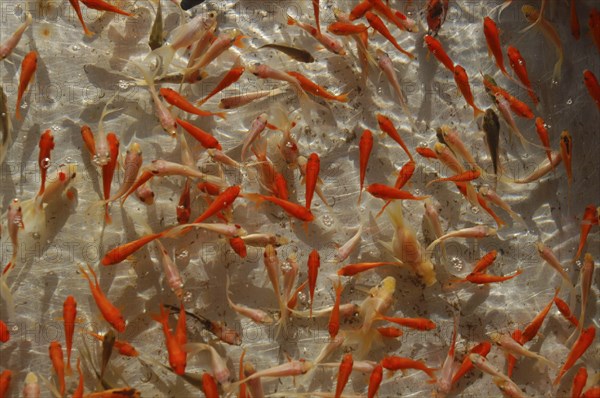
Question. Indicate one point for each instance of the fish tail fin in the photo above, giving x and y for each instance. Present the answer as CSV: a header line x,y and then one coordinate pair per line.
x,y
7,296
238,41
68,370
291,21
395,214
477,113
557,69
222,115
165,54
254,197
107,217
342,97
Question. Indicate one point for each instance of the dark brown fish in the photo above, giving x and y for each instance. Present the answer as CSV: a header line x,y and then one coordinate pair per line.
x,y
293,52
491,127
107,347
157,36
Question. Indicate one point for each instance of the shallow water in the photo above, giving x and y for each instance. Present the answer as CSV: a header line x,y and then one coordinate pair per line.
x,y
77,75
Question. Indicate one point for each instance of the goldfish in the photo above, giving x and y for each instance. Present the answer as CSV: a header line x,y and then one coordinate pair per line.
x,y
581,376
232,76
176,99
205,139
436,48
540,170
123,392
311,177
15,223
222,43
477,232
587,273
56,356
533,16
491,127
385,192
5,126
4,333
594,25
334,320
483,278
108,171
462,82
69,314
171,271
297,54
376,23
311,87
360,9
209,386
245,98
404,175
591,83
422,324
566,151
588,220
394,363
437,11
257,315
124,348
5,378
386,125
46,145
481,349
531,330
353,269
31,389
101,5
542,131
290,368
157,38
509,345
28,68
364,146
444,382
385,64
88,139
585,340
375,380
314,262
329,42
426,152
177,355
108,342
406,247
292,209
492,37
343,374
549,257
574,20
517,63
77,8
9,45
110,313
518,107
345,29
467,176
564,309
164,115
120,253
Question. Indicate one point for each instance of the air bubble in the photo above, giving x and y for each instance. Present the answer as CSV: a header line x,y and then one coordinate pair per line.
x,y
286,267
475,209
302,297
570,101
187,297
183,254
75,48
123,85
327,220
457,263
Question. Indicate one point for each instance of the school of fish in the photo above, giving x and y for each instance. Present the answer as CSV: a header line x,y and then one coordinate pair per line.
x,y
403,257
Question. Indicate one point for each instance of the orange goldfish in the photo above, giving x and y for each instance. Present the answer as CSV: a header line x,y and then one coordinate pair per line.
x,y
69,314
591,83
462,82
56,356
28,68
110,313
101,5
436,48
177,355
